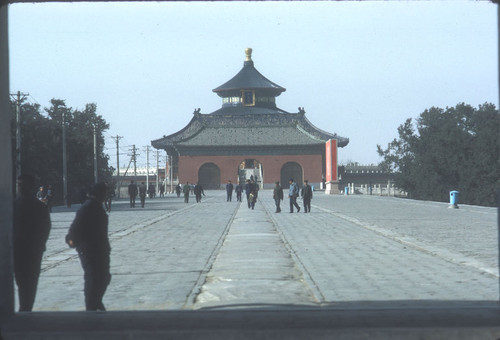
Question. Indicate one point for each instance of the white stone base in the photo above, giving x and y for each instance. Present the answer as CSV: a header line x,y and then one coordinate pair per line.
x,y
332,188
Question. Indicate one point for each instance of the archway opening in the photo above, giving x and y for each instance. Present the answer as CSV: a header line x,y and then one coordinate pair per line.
x,y
209,176
291,170
251,169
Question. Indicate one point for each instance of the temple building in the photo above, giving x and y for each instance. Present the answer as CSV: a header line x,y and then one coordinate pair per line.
x,y
250,137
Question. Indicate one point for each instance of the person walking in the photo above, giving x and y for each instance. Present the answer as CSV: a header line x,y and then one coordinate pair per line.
x,y
198,191
41,196
89,235
50,197
229,191
307,195
252,198
238,189
186,190
162,190
277,196
248,190
293,193
151,191
109,195
178,190
31,229
142,194
132,192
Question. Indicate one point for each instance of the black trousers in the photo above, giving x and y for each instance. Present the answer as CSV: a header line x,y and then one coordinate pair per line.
x,y
97,278
277,201
229,196
293,203
238,196
307,205
132,201
26,272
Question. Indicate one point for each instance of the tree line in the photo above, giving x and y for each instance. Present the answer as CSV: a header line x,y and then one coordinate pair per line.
x,y
457,148
42,146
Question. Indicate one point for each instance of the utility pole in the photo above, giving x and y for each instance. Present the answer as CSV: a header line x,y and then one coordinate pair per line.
x,y
147,148
65,167
169,165
95,154
117,139
157,169
134,159
18,99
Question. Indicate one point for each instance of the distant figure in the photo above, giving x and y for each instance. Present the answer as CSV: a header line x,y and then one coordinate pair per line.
x,y
248,191
31,230
293,193
89,234
132,192
178,190
151,191
41,196
307,195
142,194
198,191
252,198
229,191
49,196
277,196
110,194
162,190
238,190
256,190
186,190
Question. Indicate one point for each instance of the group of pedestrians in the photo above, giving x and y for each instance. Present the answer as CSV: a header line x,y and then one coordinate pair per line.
x,y
238,189
141,190
88,234
46,195
187,188
293,193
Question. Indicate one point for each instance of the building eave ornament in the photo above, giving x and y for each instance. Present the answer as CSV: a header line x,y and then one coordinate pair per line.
x,y
248,53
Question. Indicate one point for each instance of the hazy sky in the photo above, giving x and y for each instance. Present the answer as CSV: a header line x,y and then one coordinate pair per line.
x,y
358,68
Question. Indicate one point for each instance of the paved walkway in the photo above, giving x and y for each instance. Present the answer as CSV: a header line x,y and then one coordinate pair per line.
x,y
354,251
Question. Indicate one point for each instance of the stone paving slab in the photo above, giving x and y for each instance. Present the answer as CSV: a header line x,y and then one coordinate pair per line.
x,y
367,249
253,266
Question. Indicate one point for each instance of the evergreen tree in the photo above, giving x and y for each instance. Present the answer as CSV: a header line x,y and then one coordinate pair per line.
x,y
41,146
451,149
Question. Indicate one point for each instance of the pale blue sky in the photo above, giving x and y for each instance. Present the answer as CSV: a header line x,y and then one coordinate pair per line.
x,y
358,68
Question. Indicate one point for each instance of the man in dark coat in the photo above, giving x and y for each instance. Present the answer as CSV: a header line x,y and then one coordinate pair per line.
x,y
89,234
307,195
198,191
132,192
30,233
186,189
142,193
278,195
229,191
248,189
238,190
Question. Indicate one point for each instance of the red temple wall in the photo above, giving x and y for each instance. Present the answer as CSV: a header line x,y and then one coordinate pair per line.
x,y
312,167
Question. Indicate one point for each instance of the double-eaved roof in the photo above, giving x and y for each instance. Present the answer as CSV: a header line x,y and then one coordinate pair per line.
x,y
255,126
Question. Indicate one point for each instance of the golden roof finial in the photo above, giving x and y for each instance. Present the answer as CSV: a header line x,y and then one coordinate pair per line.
x,y
248,53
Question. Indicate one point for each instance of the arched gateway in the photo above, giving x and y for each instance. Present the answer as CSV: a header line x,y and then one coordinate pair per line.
x,y
249,126
291,170
209,176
